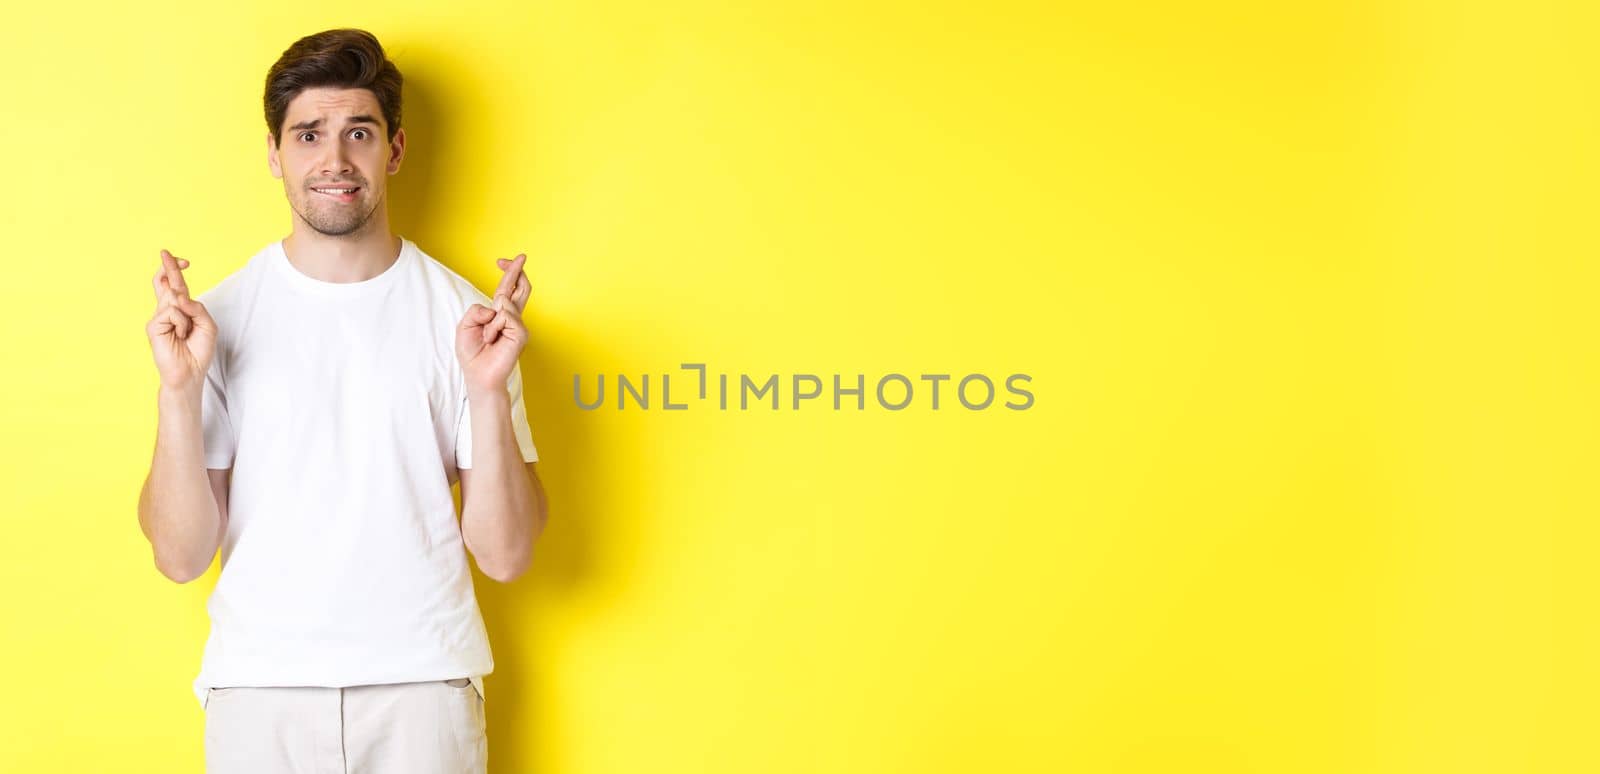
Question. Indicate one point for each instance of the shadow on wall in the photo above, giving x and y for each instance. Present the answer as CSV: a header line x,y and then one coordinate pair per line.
x,y
425,117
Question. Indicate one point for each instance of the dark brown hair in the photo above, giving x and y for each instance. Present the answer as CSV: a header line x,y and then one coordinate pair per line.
x,y
342,58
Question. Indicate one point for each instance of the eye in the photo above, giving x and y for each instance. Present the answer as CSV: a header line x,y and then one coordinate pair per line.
x,y
304,135
362,131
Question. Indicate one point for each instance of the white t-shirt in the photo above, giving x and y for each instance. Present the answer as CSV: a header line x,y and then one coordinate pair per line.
x,y
342,409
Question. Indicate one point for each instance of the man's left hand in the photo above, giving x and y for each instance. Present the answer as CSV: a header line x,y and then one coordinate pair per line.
x,y
488,341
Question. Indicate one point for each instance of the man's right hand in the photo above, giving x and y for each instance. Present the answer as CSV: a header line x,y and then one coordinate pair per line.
x,y
183,337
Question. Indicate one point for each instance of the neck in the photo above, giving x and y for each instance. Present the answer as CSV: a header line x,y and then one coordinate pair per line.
x,y
353,257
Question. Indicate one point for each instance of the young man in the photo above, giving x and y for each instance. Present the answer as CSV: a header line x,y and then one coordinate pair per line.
x,y
315,408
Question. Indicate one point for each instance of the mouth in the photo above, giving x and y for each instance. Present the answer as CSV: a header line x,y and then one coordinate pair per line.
x,y
338,193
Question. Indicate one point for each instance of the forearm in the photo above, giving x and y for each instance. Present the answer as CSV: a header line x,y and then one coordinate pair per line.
x,y
177,510
501,516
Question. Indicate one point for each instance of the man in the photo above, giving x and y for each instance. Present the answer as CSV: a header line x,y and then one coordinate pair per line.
x,y
315,408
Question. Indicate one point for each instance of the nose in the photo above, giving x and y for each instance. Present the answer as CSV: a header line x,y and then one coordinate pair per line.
x,y
337,165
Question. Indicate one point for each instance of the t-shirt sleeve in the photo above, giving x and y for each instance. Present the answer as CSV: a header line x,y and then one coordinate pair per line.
x,y
216,429
519,424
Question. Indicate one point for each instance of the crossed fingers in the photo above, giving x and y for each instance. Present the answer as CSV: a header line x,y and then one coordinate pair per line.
x,y
168,282
509,297
172,296
513,285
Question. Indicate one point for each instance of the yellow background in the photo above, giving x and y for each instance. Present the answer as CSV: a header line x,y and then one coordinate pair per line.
x,y
1307,292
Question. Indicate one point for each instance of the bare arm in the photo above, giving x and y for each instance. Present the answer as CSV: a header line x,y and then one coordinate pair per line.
x,y
182,505
503,504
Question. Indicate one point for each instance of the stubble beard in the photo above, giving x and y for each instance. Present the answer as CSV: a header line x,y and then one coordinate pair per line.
x,y
334,219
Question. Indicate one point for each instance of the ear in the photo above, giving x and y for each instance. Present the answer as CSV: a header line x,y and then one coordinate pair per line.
x,y
272,157
397,150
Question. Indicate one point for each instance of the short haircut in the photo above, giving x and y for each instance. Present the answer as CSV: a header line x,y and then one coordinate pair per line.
x,y
341,58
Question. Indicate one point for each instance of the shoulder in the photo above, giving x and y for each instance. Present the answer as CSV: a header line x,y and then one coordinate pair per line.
x,y
448,283
224,297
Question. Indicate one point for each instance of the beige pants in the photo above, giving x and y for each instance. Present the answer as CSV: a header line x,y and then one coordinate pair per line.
x,y
434,727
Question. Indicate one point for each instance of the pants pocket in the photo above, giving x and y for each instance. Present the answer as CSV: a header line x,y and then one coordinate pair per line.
x,y
467,719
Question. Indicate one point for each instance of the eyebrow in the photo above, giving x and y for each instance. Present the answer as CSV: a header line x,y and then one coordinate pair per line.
x,y
361,119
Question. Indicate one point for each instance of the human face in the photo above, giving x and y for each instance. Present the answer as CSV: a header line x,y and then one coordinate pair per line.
x,y
335,138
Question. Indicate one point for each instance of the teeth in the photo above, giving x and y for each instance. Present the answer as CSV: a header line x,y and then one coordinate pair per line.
x,y
335,190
